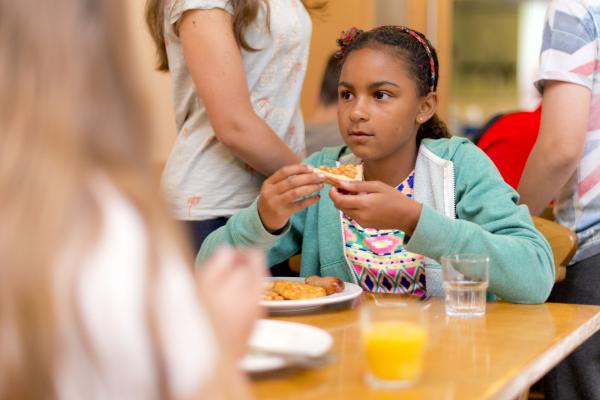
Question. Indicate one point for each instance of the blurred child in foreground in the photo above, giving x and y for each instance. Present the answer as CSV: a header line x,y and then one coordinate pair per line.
x,y
97,298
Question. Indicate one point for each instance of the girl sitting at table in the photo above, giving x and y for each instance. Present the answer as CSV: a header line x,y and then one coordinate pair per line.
x,y
424,193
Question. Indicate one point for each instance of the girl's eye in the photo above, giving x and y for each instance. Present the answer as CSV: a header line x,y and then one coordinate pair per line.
x,y
379,95
345,95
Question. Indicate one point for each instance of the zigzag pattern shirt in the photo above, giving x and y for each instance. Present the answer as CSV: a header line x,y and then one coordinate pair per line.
x,y
378,258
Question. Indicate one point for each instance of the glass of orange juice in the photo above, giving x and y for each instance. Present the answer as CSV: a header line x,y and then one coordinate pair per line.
x,y
394,336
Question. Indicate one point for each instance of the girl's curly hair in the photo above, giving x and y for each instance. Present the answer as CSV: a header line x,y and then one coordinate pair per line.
x,y
416,52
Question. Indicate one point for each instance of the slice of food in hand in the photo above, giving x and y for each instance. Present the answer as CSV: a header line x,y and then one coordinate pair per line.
x,y
343,172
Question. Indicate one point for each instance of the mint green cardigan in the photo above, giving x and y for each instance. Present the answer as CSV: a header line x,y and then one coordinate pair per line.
x,y
467,208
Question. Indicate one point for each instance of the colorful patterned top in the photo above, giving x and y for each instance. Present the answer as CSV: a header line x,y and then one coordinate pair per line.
x,y
378,258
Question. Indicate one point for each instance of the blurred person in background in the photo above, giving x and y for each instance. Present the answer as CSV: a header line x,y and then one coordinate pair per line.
x,y
507,139
97,295
565,166
322,130
237,68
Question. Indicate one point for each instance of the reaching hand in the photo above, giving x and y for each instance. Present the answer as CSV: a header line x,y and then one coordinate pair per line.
x,y
376,205
230,284
283,194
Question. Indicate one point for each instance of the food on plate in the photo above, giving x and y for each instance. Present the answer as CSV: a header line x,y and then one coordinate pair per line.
x,y
313,287
297,290
343,172
331,284
272,295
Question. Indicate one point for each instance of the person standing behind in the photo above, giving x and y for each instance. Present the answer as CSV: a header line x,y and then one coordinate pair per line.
x,y
237,68
565,166
322,130
508,139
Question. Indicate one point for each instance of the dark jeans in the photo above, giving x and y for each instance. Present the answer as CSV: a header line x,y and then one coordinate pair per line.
x,y
577,376
199,230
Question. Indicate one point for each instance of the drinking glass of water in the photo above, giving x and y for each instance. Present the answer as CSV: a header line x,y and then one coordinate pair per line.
x,y
466,278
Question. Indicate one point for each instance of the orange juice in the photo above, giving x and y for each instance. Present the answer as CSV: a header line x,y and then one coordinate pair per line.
x,y
395,350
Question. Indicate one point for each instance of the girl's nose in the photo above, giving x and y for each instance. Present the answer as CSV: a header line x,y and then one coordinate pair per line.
x,y
358,113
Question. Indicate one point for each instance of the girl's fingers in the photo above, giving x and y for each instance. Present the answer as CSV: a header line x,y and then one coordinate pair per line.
x,y
299,192
362,187
288,171
246,269
302,204
296,181
346,201
254,262
219,264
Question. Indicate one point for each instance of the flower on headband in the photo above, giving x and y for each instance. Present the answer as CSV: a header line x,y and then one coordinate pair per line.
x,y
346,37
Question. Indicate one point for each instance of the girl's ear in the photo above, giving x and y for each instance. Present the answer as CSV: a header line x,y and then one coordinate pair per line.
x,y
427,108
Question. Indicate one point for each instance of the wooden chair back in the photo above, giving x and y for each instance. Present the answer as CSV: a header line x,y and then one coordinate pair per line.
x,y
563,242
295,262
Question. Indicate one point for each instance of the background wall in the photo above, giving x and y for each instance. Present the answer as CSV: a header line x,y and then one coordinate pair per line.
x,y
432,17
495,52
327,25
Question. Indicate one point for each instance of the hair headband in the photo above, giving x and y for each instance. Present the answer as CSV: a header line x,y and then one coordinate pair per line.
x,y
427,50
349,36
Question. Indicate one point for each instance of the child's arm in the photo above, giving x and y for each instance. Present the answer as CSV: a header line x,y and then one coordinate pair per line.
x,y
489,222
559,146
284,196
215,64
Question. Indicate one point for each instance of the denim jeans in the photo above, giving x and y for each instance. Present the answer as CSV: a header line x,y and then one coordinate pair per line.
x,y
578,375
199,230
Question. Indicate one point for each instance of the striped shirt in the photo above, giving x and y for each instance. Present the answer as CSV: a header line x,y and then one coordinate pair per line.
x,y
570,53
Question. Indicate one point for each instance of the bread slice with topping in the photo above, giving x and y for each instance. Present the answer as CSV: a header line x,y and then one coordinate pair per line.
x,y
343,172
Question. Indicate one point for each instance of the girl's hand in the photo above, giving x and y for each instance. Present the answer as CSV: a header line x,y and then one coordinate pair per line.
x,y
376,205
230,285
284,193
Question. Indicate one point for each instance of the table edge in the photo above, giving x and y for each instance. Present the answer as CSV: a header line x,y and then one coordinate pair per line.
x,y
540,366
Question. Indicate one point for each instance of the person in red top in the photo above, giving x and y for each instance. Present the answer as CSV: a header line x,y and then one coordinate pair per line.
x,y
508,140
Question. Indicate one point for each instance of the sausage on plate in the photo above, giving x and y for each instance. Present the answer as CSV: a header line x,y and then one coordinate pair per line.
x,y
331,284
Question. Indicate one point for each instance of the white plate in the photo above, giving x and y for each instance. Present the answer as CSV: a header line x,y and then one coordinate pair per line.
x,y
350,292
284,337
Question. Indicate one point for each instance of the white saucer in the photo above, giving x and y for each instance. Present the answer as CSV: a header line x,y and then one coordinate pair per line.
x,y
284,337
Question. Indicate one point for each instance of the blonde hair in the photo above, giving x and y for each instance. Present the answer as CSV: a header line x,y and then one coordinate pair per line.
x,y
68,112
244,13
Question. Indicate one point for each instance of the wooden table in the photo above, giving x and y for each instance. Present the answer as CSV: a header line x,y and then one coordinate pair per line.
x,y
492,357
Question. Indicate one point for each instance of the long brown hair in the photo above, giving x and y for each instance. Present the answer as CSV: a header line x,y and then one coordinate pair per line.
x,y
68,113
244,13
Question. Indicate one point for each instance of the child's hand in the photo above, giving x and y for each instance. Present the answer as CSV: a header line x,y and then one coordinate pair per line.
x,y
376,205
280,194
230,284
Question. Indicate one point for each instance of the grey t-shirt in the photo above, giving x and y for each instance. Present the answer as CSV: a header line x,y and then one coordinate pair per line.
x,y
202,178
